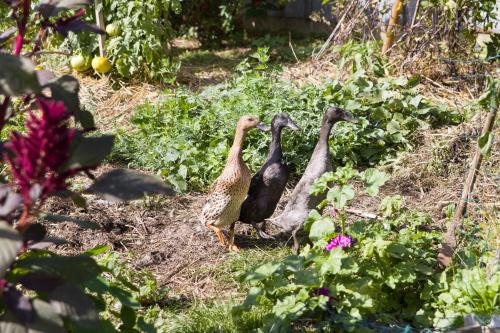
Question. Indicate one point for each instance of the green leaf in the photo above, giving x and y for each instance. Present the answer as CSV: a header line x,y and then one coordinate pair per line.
x,y
124,184
76,269
320,229
333,264
393,127
88,152
373,180
10,243
100,285
340,195
97,250
397,250
128,317
18,76
314,215
252,295
485,142
263,272
391,205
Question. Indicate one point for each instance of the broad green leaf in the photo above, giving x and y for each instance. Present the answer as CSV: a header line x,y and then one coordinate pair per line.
x,y
97,250
485,142
76,269
340,195
314,215
333,264
10,243
252,295
18,76
263,272
320,229
124,184
393,127
128,317
88,152
373,180
101,285
391,205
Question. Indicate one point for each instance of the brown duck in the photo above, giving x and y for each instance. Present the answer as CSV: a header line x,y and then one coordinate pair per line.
x,y
223,204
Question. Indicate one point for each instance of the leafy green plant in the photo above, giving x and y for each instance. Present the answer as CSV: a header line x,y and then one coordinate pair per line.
x,y
359,277
185,137
141,47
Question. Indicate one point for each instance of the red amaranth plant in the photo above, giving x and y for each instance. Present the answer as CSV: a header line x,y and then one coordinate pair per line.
x,y
41,163
37,158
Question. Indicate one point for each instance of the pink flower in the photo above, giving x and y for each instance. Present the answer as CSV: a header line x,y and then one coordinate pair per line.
x,y
36,158
341,240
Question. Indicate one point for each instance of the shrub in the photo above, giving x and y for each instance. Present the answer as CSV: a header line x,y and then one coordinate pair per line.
x,y
199,126
142,47
368,276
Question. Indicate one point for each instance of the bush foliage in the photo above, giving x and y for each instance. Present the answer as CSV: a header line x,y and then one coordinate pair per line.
x,y
185,137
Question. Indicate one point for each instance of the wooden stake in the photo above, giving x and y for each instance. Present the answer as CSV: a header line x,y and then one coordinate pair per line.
x,y
447,248
100,23
397,8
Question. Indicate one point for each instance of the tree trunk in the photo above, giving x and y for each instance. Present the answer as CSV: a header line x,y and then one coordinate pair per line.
x,y
397,8
449,243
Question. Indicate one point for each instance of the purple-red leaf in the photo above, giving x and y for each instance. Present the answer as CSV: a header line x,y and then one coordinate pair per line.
x,y
4,36
50,8
34,233
124,184
76,25
9,200
10,243
18,304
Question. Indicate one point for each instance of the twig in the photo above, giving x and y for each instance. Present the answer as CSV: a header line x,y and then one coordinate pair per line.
x,y
362,214
337,27
397,8
447,248
291,46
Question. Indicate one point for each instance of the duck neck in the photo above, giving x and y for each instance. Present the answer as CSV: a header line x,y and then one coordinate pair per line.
x,y
324,135
275,151
235,153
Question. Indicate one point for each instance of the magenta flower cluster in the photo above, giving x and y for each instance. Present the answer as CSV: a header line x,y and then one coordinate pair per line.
x,y
37,157
342,241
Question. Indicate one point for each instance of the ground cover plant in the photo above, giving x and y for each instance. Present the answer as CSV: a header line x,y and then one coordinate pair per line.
x,y
371,276
198,127
40,290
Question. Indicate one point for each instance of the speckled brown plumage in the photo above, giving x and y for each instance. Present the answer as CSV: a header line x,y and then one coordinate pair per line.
x,y
229,190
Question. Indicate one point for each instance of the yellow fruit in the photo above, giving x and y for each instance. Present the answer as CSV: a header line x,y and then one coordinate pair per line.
x,y
80,62
101,65
113,29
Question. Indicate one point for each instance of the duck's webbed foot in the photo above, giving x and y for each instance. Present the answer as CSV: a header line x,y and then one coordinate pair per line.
x,y
219,233
231,246
261,231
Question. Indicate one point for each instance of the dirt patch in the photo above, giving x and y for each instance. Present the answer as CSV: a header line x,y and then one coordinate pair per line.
x,y
162,235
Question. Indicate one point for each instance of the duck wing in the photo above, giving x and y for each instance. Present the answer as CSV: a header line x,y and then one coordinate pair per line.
x,y
216,204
